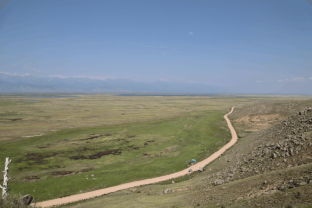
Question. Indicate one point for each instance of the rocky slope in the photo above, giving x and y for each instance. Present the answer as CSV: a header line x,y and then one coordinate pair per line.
x,y
274,161
284,145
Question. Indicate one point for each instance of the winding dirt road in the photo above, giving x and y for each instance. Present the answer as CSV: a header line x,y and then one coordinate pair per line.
x,y
100,192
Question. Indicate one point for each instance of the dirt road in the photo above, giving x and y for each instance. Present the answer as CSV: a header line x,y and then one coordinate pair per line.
x,y
100,192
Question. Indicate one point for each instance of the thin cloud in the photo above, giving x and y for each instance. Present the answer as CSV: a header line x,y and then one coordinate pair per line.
x,y
191,33
31,69
279,80
299,78
90,77
310,78
165,47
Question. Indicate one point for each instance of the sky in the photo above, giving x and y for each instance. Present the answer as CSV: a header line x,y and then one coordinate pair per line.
x,y
216,42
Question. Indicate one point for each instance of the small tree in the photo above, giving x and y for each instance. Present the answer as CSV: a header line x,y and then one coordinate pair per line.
x,y
5,178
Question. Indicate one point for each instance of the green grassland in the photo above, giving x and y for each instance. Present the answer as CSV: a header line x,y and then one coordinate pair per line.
x,y
90,142
115,154
20,118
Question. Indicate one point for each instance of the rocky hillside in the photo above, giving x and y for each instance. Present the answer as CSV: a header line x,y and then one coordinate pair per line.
x,y
274,161
284,145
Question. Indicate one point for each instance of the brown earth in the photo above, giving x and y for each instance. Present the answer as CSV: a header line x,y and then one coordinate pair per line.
x,y
258,122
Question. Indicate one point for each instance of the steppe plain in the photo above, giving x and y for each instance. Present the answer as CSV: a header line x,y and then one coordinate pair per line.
x,y
62,146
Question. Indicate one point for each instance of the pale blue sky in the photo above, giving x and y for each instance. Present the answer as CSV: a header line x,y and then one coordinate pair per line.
x,y
218,42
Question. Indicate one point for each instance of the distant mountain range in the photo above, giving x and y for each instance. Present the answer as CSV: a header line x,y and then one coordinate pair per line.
x,y
18,83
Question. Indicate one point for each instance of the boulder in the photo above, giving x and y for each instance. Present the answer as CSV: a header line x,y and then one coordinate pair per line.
x,y
281,188
200,169
218,182
26,200
274,156
167,191
291,151
265,151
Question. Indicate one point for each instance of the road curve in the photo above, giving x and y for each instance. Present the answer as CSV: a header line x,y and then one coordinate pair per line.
x,y
100,192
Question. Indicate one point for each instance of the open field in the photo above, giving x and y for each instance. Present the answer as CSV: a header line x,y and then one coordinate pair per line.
x,y
22,117
197,166
259,190
90,142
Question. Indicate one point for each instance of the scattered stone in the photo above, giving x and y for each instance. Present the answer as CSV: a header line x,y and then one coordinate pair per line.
x,y
265,182
92,175
94,179
172,181
200,169
26,200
